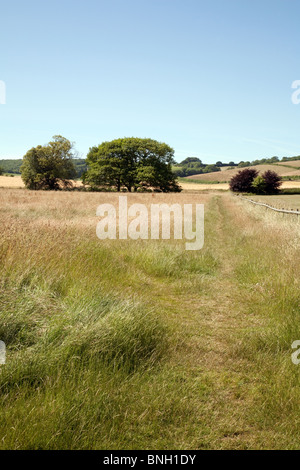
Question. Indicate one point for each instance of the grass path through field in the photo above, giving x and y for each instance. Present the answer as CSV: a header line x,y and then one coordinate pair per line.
x,y
141,344
215,321
226,326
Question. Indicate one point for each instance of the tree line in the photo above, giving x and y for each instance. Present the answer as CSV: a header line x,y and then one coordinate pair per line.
x,y
130,164
13,166
194,166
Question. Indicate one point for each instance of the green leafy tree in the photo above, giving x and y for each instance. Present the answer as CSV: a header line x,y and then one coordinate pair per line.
x,y
180,172
1,170
190,160
243,164
259,185
49,166
132,163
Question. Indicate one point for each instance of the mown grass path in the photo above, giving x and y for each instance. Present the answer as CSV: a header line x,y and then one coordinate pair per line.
x,y
233,335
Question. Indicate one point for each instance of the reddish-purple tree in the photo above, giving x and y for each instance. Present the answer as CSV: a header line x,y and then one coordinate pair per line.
x,y
242,181
272,182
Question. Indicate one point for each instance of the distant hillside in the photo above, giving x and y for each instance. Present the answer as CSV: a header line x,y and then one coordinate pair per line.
x,y
287,172
13,166
194,166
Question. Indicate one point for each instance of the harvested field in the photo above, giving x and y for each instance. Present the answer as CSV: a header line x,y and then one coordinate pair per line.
x,y
292,163
223,176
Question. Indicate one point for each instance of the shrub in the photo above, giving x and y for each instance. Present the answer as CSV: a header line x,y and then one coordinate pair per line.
x,y
242,181
272,182
259,185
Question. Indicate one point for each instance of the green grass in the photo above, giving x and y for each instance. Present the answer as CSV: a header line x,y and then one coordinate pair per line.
x,y
190,180
292,177
290,191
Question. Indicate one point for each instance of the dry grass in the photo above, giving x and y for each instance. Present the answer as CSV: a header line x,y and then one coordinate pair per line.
x,y
140,344
11,182
225,186
67,206
281,201
290,184
17,182
224,168
203,187
293,163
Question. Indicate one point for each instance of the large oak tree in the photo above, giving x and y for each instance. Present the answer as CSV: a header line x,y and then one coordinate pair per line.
x,y
132,163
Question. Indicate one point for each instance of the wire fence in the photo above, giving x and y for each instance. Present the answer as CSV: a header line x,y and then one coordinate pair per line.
x,y
283,211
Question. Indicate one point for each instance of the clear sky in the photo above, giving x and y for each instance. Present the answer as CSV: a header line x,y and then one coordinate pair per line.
x,y
211,78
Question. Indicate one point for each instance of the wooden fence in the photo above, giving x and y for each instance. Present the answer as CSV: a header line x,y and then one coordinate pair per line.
x,y
283,211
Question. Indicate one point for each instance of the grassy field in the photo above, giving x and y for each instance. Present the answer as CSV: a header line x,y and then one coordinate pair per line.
x,y
202,186
141,344
16,182
11,181
187,184
280,201
291,163
223,176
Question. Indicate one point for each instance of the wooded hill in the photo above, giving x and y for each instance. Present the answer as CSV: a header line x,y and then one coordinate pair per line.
x,y
13,166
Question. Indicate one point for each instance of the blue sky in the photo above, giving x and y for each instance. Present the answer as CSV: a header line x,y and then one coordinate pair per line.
x,y
210,78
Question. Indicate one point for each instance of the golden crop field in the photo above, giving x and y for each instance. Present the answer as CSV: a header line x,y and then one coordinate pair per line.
x,y
292,163
11,182
16,182
225,186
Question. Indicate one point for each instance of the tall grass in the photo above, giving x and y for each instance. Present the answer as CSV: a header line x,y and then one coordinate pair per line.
x,y
88,346
123,345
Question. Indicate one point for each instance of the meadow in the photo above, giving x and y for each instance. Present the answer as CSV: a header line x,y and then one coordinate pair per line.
x,y
280,201
123,344
187,184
